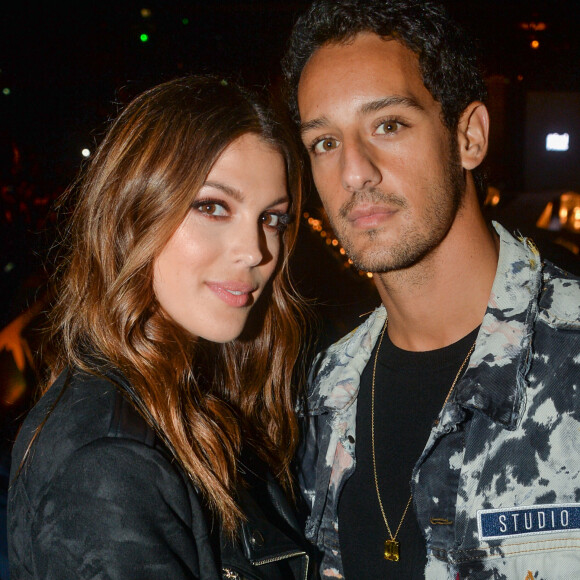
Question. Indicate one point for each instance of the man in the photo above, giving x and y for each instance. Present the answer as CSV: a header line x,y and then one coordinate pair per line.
x,y
471,391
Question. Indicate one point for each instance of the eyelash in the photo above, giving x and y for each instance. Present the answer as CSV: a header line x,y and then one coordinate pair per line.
x,y
390,121
283,218
199,204
317,141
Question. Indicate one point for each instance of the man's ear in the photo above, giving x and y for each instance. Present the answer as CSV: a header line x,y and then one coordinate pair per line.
x,y
473,135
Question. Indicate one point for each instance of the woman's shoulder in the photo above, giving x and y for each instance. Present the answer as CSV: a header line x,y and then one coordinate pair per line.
x,y
95,475
79,411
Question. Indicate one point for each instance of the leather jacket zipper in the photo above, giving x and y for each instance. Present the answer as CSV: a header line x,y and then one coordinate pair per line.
x,y
284,557
229,574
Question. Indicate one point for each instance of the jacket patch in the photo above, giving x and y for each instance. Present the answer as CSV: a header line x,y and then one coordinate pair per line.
x,y
528,520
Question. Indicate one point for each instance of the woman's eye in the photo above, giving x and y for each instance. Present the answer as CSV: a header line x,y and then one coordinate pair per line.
x,y
325,145
274,220
211,208
388,127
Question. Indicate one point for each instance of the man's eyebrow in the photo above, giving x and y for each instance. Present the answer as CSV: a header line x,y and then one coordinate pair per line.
x,y
365,109
313,124
378,104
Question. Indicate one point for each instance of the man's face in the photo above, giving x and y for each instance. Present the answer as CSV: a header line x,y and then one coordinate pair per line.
x,y
385,166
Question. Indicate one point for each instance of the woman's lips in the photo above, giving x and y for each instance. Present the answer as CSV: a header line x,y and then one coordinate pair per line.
x,y
236,294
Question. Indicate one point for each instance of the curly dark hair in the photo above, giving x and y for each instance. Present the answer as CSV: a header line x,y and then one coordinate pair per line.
x,y
447,56
448,61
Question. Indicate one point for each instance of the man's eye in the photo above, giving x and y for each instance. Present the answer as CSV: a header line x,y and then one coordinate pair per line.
x,y
211,208
325,145
388,127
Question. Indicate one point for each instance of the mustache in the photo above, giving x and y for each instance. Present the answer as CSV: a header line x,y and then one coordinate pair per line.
x,y
372,196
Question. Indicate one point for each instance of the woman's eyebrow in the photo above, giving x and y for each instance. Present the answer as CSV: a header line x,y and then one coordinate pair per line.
x,y
228,190
238,195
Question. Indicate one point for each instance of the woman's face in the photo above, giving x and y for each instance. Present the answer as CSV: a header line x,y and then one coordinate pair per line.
x,y
216,264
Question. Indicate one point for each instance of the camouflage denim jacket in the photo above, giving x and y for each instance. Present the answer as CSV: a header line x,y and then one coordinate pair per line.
x,y
501,468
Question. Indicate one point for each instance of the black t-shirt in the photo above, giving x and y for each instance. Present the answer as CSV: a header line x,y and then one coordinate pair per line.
x,y
410,388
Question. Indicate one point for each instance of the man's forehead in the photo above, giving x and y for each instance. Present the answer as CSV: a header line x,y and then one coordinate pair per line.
x,y
367,68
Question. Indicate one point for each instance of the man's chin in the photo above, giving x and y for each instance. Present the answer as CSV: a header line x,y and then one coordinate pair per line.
x,y
384,262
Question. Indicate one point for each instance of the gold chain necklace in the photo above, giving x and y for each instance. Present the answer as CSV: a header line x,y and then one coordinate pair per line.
x,y
391,544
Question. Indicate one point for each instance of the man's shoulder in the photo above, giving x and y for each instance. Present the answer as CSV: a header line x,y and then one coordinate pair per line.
x,y
560,298
335,373
348,345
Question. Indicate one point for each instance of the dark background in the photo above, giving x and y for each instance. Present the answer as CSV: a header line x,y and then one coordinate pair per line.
x,y
66,68
68,65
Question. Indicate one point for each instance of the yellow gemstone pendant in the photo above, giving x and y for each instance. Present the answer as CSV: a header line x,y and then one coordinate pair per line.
x,y
392,550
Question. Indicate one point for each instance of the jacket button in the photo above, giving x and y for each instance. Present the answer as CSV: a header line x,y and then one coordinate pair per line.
x,y
350,439
256,539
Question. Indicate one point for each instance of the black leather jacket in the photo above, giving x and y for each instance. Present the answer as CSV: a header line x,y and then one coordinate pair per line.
x,y
100,496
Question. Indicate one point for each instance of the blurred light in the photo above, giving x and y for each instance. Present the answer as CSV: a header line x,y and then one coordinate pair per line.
x,y
493,196
562,213
86,153
538,26
9,267
369,274
145,12
6,91
144,37
306,215
520,78
557,142
342,251
15,387
185,21
535,44
576,219
335,242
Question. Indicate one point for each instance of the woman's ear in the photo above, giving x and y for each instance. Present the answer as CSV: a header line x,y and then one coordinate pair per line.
x,y
473,135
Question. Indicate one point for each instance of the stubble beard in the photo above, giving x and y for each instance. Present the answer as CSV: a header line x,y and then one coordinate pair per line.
x,y
442,202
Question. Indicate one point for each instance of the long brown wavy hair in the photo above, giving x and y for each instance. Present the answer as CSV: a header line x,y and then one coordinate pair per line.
x,y
204,400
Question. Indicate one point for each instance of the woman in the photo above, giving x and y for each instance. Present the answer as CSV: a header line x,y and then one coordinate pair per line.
x,y
158,449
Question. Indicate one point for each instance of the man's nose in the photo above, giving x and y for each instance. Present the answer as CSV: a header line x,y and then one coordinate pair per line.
x,y
359,170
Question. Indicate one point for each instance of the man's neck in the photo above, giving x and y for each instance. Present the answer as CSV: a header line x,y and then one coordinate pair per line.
x,y
443,297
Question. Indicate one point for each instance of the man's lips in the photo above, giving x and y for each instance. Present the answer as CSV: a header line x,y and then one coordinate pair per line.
x,y
369,216
236,294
